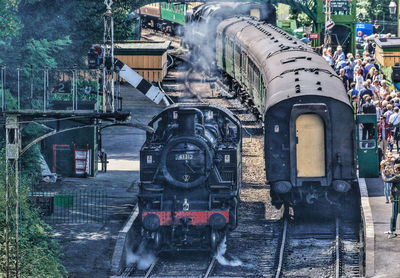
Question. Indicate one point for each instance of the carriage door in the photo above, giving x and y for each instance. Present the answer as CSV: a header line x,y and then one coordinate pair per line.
x,y
310,146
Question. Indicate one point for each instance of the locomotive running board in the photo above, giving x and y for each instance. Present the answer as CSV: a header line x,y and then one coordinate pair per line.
x,y
137,81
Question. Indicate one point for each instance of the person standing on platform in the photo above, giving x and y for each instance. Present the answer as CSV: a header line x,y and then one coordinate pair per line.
x,y
394,197
359,79
368,108
384,134
305,39
387,170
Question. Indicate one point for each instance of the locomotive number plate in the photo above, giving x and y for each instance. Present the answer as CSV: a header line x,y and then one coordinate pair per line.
x,y
184,156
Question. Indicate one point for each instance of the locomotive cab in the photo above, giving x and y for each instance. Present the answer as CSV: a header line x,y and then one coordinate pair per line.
x,y
190,177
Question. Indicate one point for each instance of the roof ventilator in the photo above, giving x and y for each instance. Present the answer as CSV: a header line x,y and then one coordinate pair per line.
x,y
319,88
297,88
296,80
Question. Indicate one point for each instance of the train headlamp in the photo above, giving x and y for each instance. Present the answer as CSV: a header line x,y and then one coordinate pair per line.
x,y
151,222
341,186
282,187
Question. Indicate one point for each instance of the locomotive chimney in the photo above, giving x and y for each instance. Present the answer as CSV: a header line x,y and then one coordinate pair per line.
x,y
186,121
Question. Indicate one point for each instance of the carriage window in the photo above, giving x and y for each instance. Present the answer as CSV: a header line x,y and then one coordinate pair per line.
x,y
367,144
366,136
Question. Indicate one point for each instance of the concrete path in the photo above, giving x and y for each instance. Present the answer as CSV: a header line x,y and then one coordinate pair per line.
x,y
386,251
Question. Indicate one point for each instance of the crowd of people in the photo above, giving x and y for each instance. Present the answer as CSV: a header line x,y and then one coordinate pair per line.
x,y
369,93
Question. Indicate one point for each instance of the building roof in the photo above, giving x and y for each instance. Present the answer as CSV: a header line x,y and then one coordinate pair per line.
x,y
141,47
388,42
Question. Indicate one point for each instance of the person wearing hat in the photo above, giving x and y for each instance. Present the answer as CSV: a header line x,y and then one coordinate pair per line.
x,y
394,197
339,54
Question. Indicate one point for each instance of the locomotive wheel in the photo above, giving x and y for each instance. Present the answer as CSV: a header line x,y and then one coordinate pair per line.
x,y
157,240
214,240
233,213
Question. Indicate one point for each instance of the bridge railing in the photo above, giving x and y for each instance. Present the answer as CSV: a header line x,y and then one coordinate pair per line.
x,y
27,88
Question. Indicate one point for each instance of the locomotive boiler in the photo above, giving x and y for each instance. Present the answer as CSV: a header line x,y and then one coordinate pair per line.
x,y
190,177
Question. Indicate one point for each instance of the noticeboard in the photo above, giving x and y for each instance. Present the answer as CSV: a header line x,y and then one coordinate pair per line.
x,y
339,7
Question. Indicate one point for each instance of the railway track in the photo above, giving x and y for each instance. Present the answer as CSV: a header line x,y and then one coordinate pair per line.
x,y
319,249
255,247
165,266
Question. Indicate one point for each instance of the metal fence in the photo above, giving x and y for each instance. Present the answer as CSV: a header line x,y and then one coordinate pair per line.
x,y
78,206
47,88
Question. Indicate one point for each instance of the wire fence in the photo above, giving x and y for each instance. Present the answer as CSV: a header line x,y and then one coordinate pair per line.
x,y
70,207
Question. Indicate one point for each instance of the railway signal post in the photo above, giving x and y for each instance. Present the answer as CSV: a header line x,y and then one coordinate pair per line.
x,y
108,60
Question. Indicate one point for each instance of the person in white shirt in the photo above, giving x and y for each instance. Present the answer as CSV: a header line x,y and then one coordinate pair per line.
x,y
395,117
389,112
375,88
394,122
378,106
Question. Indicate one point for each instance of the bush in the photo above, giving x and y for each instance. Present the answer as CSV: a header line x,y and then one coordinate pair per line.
x,y
39,253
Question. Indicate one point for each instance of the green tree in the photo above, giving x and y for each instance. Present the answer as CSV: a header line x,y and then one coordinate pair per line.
x,y
39,253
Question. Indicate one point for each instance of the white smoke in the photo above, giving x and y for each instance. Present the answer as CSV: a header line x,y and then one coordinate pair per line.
x,y
219,256
143,257
200,32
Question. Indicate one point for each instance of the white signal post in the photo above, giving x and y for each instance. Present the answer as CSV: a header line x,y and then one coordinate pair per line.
x,y
108,59
328,24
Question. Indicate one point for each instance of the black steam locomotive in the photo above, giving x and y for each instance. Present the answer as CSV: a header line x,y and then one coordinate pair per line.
x,y
190,172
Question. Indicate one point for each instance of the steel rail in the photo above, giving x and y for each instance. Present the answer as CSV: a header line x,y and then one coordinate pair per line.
x,y
282,249
148,273
337,249
210,268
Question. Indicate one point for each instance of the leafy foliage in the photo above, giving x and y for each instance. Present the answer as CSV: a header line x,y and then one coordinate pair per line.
x,y
9,21
39,254
56,33
371,10
301,18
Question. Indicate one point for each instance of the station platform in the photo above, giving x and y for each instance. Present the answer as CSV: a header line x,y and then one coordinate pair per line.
x,y
382,254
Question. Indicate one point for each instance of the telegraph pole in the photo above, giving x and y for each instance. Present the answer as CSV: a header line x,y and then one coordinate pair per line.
x,y
108,58
13,146
327,36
